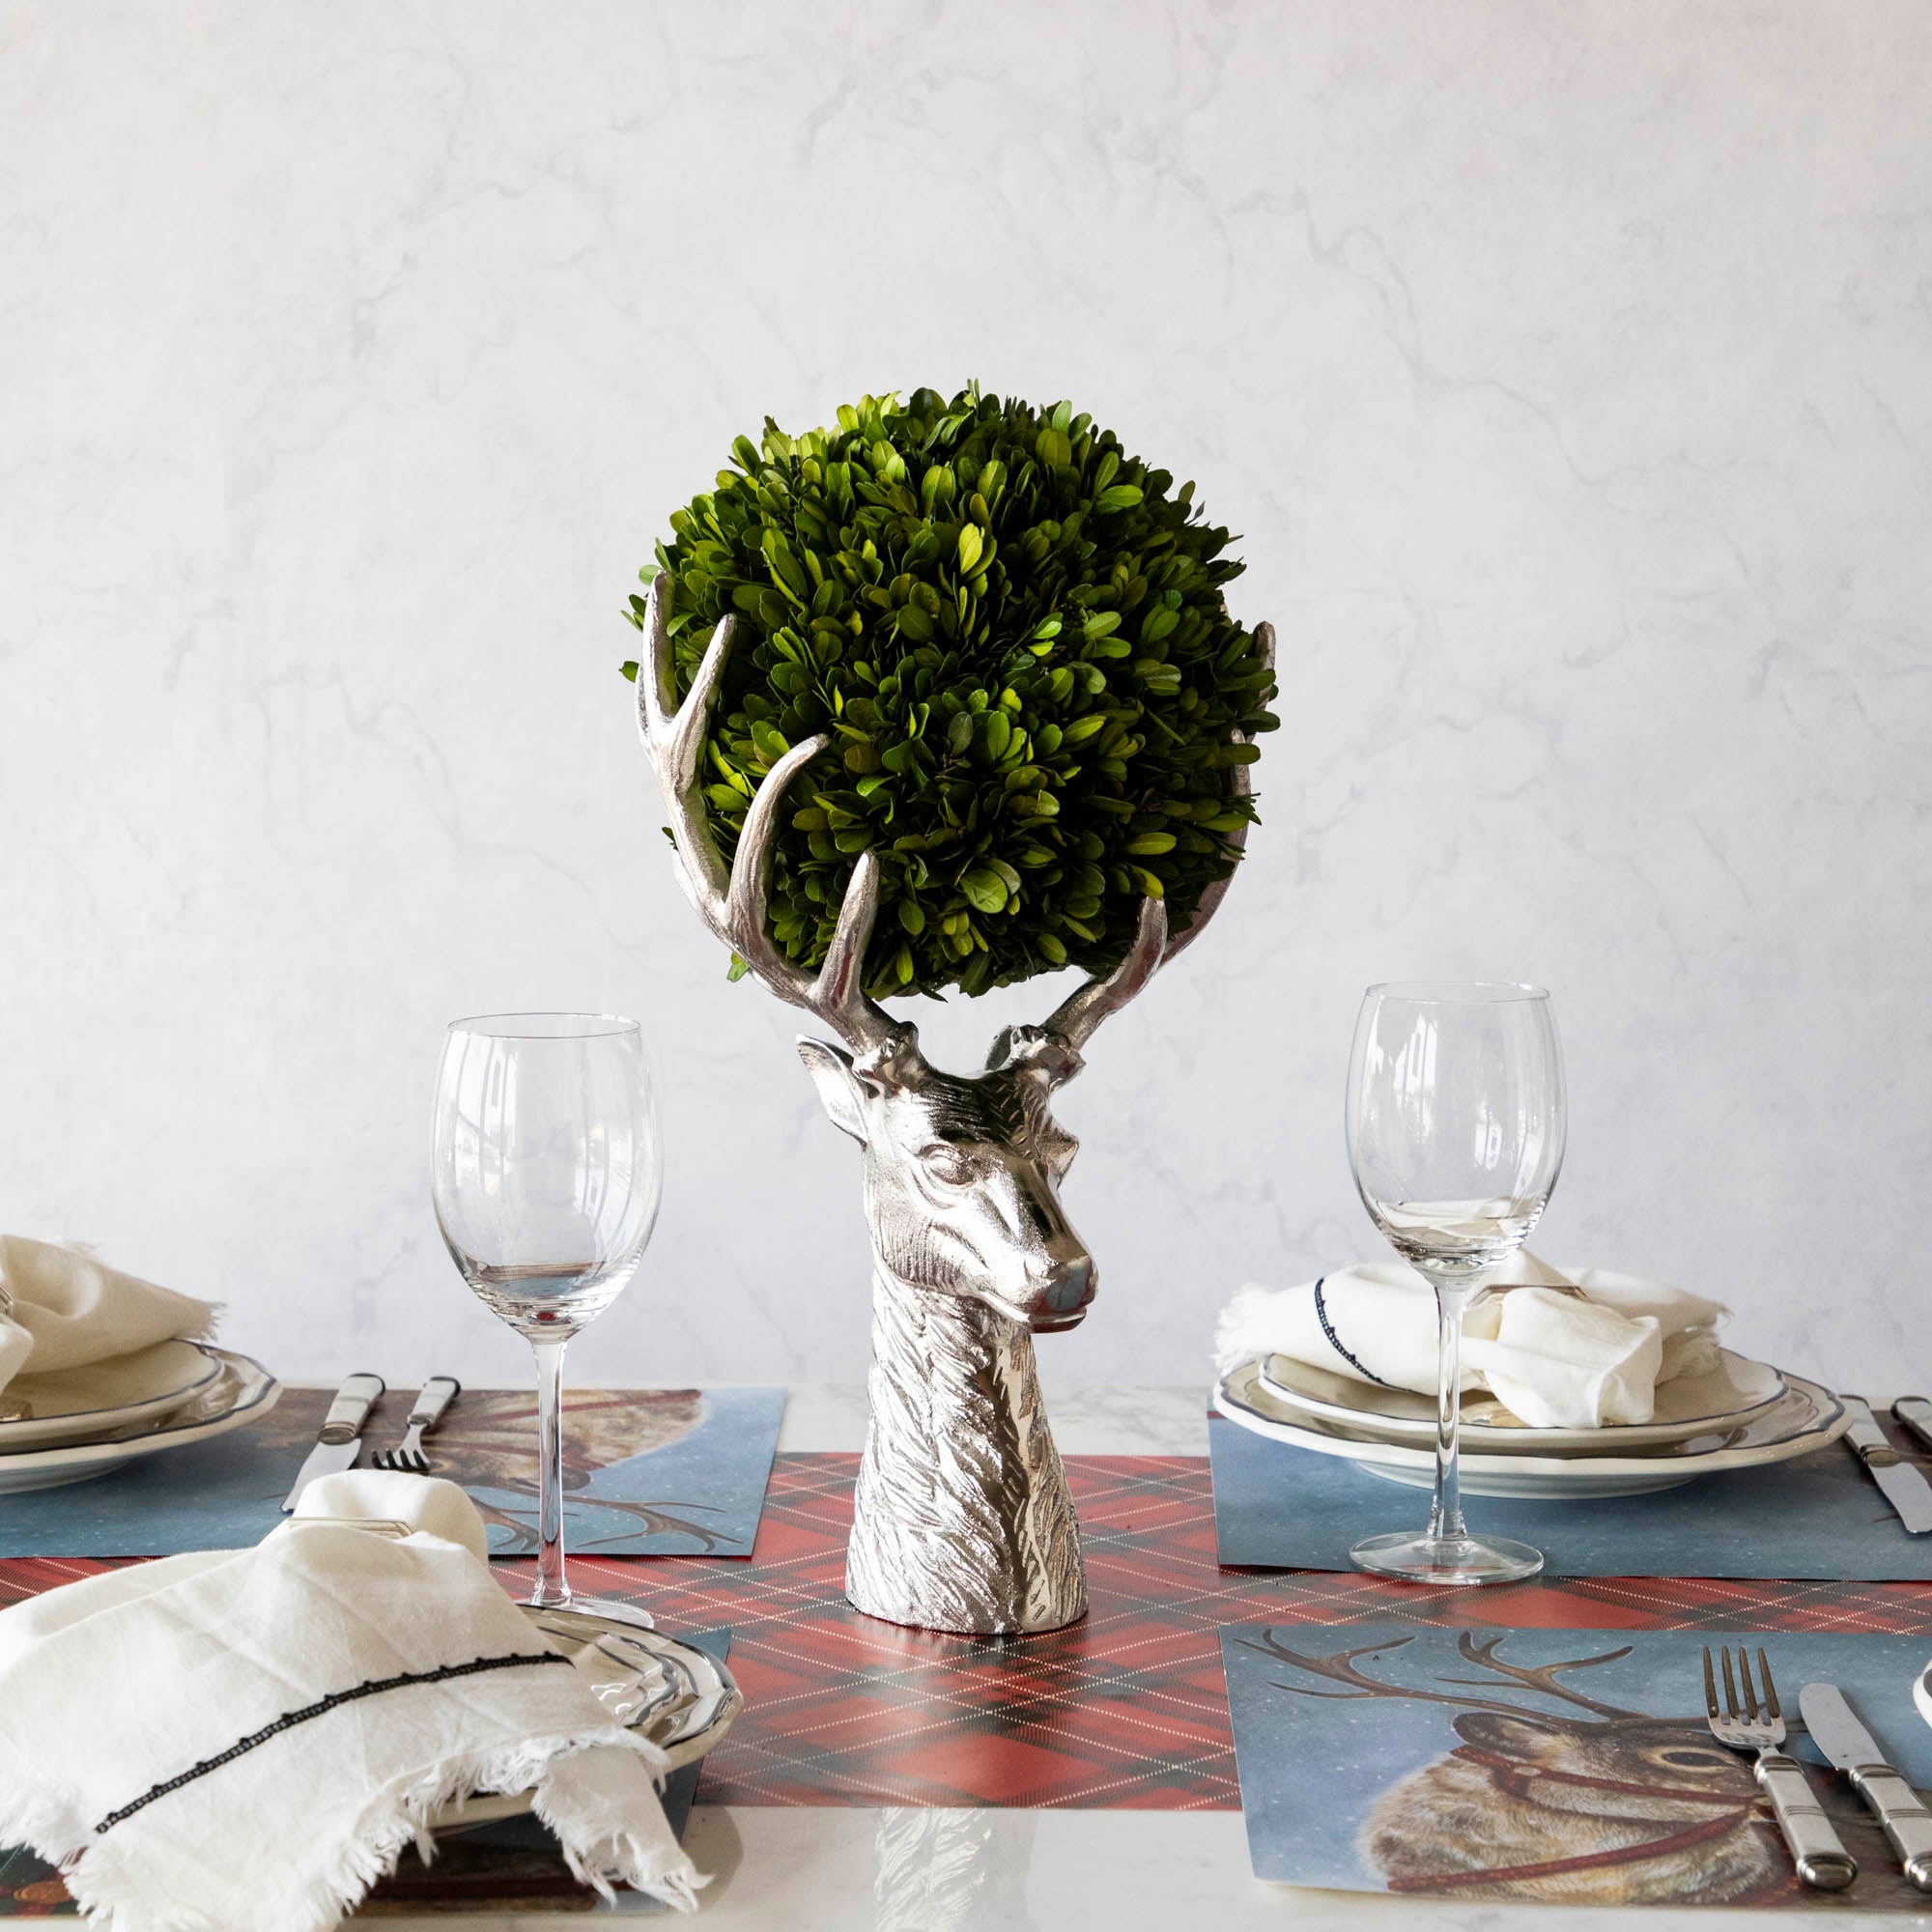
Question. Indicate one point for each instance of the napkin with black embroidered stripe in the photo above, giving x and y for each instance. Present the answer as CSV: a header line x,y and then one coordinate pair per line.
x,y
240,1739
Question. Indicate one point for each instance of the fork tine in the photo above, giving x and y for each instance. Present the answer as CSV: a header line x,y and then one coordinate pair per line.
x,y
1710,1686
1769,1688
1745,1671
1730,1687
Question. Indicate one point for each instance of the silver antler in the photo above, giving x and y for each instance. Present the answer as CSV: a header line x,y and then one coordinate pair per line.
x,y
731,900
1076,1021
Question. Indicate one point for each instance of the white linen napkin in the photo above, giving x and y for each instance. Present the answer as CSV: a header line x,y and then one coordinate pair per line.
x,y
60,1309
1551,1360
242,1740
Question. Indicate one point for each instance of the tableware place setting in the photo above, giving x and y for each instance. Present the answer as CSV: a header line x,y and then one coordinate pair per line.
x,y
296,1713
1475,1367
1601,1420
648,1471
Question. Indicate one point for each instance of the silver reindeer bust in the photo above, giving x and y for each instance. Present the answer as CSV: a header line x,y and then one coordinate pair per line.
x,y
962,1520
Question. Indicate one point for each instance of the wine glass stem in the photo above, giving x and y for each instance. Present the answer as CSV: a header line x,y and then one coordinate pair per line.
x,y
1445,1516
552,1587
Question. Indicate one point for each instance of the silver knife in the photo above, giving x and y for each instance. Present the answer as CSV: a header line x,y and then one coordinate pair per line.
x,y
1904,1484
1838,1734
340,1442
1915,1412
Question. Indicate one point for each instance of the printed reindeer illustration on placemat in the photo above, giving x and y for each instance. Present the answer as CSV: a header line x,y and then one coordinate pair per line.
x,y
1596,1804
491,1446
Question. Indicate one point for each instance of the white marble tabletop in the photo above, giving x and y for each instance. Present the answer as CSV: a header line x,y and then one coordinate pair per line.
x,y
822,1868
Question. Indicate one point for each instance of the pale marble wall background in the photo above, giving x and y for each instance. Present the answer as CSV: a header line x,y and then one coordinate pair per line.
x,y
1568,368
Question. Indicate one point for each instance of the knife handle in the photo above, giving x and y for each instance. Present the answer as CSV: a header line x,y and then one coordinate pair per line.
x,y
1822,1860
437,1394
349,1409
1915,1412
1873,1445
1907,1821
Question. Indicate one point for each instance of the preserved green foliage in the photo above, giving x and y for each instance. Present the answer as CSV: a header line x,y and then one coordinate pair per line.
x,y
1014,636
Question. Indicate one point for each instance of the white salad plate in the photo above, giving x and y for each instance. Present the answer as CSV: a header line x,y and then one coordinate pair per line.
x,y
1804,1418
240,1391
1736,1391
78,1405
678,1696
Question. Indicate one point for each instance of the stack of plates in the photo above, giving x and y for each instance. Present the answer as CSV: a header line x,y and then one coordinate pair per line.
x,y
675,1693
1741,1416
72,1424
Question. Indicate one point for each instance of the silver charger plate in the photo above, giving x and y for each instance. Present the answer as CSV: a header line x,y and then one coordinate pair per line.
x,y
678,1696
76,1404
240,1391
1804,1418
1738,1391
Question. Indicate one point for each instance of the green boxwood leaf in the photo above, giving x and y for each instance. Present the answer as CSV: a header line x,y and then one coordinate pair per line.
x,y
985,888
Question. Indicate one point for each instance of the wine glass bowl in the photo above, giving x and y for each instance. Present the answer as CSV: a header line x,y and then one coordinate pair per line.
x,y
546,1172
1456,1124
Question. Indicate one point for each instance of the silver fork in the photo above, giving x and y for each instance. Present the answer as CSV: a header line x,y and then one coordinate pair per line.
x,y
438,1393
1822,1860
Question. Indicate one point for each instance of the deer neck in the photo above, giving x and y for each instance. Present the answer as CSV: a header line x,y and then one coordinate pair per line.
x,y
962,1520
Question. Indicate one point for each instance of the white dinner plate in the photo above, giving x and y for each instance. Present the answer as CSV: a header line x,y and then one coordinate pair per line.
x,y
1806,1417
680,1696
76,1404
1735,1392
240,1391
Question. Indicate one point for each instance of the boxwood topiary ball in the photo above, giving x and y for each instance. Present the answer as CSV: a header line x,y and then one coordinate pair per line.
x,y
1014,635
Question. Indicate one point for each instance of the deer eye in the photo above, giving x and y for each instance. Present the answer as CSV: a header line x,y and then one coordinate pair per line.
x,y
946,1163
1691,1757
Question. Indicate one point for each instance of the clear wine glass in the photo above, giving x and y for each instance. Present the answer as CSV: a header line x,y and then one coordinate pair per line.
x,y
1456,1125
546,1170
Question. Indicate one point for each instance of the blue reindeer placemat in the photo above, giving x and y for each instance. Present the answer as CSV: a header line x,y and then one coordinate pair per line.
x,y
513,1866
647,1472
1282,1508
1561,1767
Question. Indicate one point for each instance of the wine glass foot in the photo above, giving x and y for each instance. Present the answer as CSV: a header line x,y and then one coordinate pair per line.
x,y
615,1610
605,1609
1452,1560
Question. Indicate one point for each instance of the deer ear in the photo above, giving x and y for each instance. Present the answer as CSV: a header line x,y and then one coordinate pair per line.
x,y
840,1091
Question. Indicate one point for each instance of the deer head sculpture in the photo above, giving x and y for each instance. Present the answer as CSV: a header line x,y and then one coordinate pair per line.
x,y
962,1520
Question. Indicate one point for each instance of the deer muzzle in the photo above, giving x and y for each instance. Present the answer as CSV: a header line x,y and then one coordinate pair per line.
x,y
1065,1295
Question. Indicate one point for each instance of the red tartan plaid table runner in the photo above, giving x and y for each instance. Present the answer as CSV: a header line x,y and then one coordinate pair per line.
x,y
1125,1710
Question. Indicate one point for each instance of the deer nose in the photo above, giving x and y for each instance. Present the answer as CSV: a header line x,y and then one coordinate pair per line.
x,y
1063,1295
1070,1285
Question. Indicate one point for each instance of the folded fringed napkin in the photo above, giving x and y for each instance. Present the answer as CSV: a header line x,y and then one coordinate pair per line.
x,y
1552,1361
60,1309
240,1740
